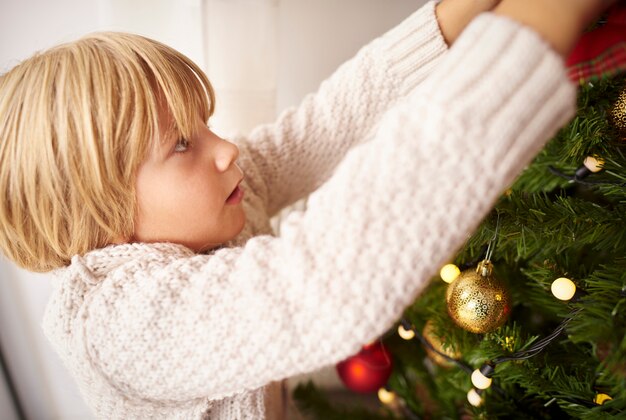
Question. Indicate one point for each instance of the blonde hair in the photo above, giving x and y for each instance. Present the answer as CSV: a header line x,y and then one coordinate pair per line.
x,y
76,121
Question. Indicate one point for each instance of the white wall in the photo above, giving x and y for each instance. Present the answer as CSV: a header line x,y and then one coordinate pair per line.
x,y
25,27
262,56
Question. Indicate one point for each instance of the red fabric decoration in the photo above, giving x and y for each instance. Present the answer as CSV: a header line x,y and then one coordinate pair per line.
x,y
602,51
367,371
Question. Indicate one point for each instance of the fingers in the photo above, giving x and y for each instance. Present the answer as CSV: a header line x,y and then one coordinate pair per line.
x,y
559,22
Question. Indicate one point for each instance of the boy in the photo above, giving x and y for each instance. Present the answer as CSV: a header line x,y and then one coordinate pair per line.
x,y
183,304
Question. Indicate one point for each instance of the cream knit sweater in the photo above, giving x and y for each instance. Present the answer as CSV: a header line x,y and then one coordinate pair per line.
x,y
402,163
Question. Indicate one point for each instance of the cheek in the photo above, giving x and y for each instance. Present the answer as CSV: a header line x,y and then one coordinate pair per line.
x,y
159,195
178,195
201,194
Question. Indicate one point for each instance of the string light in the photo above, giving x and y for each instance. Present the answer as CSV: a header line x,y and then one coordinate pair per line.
x,y
474,398
563,288
600,399
386,396
593,163
449,273
404,333
481,378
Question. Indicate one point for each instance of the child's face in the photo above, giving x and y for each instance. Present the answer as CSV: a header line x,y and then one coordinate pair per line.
x,y
183,191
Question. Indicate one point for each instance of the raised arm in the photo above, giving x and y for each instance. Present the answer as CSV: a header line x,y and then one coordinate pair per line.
x,y
300,151
342,272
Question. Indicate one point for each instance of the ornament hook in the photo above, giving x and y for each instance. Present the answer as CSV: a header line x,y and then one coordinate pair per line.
x,y
493,240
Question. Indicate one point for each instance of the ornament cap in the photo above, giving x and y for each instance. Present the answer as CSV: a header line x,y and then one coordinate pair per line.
x,y
484,268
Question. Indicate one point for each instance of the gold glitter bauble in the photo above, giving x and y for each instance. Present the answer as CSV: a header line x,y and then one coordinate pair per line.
x,y
437,343
477,301
618,114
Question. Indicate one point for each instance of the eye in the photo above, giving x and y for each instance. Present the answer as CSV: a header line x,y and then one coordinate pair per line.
x,y
182,145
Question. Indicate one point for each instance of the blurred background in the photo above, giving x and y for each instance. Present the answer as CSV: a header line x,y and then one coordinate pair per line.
x,y
262,56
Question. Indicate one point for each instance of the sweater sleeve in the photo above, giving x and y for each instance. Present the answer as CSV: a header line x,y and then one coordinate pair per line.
x,y
299,152
342,272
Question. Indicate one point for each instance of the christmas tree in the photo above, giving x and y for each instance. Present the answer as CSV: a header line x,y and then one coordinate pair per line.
x,y
535,311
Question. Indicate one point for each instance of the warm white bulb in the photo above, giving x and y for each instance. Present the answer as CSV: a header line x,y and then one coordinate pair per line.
x,y
385,396
406,334
474,398
449,273
480,381
563,288
600,399
593,163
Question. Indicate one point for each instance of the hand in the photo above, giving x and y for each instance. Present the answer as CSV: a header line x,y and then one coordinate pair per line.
x,y
559,22
591,9
454,15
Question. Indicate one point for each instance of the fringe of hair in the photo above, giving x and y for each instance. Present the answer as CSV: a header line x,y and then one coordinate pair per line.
x,y
76,122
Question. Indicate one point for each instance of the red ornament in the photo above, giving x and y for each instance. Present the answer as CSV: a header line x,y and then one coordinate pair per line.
x,y
368,370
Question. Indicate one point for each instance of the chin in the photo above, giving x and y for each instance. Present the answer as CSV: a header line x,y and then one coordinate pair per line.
x,y
242,224
235,228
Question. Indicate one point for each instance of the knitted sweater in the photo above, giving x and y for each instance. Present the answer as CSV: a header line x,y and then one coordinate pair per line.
x,y
400,163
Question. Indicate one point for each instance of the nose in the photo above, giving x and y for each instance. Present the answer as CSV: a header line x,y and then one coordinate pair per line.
x,y
226,154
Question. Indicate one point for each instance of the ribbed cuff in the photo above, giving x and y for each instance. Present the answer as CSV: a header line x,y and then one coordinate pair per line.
x,y
496,53
504,76
413,47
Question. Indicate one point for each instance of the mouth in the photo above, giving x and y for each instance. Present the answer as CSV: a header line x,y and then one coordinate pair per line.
x,y
236,195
